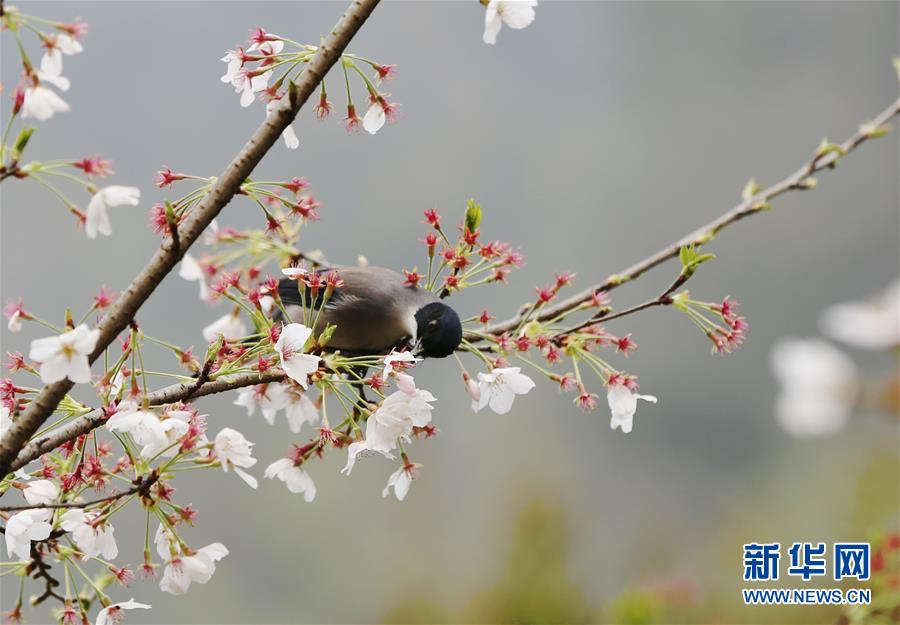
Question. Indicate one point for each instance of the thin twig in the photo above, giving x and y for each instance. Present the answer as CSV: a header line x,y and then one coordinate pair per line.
x,y
142,485
125,308
796,181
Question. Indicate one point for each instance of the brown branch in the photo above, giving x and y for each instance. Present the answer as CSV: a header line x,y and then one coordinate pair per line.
x,y
799,180
170,394
141,485
167,256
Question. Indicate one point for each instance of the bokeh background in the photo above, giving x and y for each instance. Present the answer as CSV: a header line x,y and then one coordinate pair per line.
x,y
599,134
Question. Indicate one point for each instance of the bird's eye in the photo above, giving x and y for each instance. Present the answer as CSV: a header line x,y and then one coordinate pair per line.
x,y
432,324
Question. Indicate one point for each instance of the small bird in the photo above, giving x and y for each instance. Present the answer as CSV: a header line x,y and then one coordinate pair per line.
x,y
375,311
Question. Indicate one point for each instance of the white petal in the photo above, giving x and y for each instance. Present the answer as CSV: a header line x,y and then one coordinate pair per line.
x,y
492,23
374,118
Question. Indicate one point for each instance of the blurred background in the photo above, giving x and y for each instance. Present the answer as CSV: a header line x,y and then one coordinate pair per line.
x,y
594,137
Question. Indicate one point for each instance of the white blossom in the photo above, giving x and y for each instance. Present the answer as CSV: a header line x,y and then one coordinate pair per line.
x,y
288,134
299,409
66,355
198,567
290,345
249,83
190,270
400,480
294,477
374,118
40,492
97,211
623,404
62,43
269,397
818,387
398,414
873,324
500,387
233,450
92,541
15,321
112,615
396,357
175,426
42,103
231,326
514,13
235,63
143,425
22,528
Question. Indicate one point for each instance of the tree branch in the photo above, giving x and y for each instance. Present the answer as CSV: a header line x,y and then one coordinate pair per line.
x,y
141,485
799,180
168,395
168,255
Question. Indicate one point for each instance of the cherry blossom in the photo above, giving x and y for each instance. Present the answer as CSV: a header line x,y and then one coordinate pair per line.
x,y
294,477
622,402
112,615
142,424
873,324
198,568
233,450
55,47
92,539
514,13
66,355
374,118
299,409
190,270
42,103
295,363
400,480
500,387
395,418
24,527
288,134
230,326
818,387
175,426
40,492
104,199
269,397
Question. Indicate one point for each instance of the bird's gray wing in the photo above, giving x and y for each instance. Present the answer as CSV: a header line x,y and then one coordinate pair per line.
x,y
373,309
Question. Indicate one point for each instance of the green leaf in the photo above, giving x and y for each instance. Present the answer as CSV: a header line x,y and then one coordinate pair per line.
x,y
750,189
21,142
474,215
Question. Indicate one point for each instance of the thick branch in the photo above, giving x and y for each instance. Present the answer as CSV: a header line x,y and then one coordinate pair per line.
x,y
171,394
702,235
226,186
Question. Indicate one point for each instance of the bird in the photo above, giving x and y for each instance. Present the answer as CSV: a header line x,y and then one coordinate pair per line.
x,y
375,310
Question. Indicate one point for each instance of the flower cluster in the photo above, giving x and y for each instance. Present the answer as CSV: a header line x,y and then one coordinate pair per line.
x,y
466,262
34,98
269,63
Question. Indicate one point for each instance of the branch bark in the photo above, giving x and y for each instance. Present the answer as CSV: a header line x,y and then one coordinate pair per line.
x,y
168,395
703,234
168,255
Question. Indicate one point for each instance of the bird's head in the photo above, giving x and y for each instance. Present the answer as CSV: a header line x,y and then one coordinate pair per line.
x,y
438,330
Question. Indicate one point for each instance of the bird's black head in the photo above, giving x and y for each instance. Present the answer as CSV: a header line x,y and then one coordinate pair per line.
x,y
438,330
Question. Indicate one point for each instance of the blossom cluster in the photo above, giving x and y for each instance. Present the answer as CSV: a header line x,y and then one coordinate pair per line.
x,y
269,63
34,98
